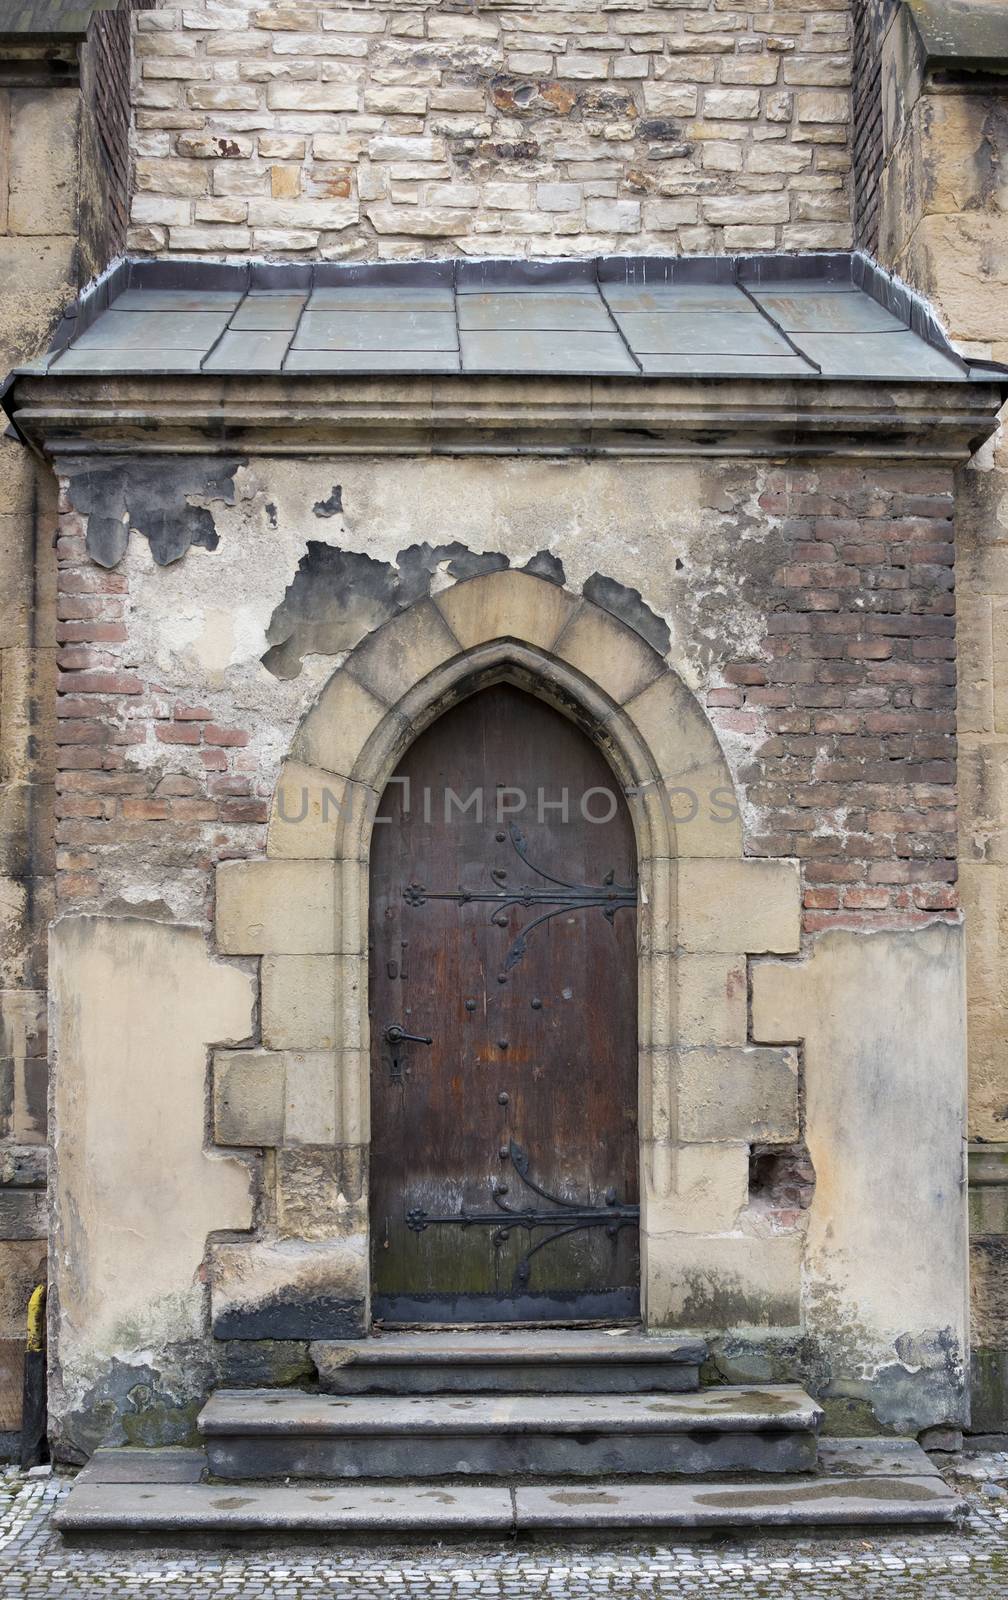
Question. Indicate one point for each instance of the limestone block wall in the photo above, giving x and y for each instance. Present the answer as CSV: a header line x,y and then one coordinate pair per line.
x,y
64,163
403,128
38,228
944,228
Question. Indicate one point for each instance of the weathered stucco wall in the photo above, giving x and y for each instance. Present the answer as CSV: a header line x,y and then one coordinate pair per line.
x,y
884,1286
198,654
383,130
134,1007
944,228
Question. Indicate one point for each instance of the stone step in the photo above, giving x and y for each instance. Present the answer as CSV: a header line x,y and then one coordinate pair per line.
x,y
861,1483
504,1361
279,1433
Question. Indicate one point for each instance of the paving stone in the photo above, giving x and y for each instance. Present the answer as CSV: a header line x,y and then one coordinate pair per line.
x,y
228,1508
787,1502
167,1466
262,1507
891,1457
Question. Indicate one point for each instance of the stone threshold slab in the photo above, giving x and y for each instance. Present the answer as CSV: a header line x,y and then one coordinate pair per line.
x,y
798,1502
269,1413
495,1346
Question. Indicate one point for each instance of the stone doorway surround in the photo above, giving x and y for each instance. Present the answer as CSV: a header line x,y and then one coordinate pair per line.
x,y
706,1092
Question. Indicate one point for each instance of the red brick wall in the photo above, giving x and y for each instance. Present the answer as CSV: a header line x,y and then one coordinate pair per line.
x,y
854,686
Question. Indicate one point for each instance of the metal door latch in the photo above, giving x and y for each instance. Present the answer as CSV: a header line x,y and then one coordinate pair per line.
x,y
395,1033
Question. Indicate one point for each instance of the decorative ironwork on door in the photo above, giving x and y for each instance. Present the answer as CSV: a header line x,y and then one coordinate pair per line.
x,y
567,1216
608,896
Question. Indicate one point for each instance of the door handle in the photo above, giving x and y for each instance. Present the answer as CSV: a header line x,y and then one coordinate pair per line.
x,y
395,1033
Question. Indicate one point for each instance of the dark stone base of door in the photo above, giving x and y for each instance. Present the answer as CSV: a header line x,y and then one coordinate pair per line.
x,y
610,1305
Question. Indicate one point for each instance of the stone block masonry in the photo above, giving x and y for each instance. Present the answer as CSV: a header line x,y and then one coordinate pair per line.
x,y
385,131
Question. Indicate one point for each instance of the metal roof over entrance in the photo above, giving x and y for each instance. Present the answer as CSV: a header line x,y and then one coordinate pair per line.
x,y
829,316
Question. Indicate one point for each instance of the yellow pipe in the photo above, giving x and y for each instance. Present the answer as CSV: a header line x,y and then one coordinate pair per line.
x,y
36,1320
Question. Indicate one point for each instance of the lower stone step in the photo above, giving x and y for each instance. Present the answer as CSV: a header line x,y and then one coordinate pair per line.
x,y
504,1361
859,1483
280,1433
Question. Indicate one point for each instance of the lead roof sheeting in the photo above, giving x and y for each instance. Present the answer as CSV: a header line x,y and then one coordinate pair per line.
x,y
155,330
177,300
670,365
547,352
773,317
383,297
376,330
702,333
553,313
828,313
269,312
877,355
365,361
249,350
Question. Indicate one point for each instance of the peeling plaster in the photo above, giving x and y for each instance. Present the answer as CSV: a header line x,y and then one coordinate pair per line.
x,y
660,539
159,499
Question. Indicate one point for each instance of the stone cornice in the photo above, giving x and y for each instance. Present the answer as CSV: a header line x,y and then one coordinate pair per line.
x,y
322,416
966,34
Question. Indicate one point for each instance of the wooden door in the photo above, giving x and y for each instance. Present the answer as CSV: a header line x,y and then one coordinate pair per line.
x,y
504,1154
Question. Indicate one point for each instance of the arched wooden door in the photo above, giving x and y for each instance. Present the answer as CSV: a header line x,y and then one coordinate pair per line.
x,y
504,1157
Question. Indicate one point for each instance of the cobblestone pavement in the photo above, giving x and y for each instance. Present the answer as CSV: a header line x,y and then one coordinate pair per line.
x,y
965,1563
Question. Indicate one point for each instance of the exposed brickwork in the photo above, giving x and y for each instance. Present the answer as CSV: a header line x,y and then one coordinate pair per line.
x,y
137,771
105,79
387,130
855,688
869,17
